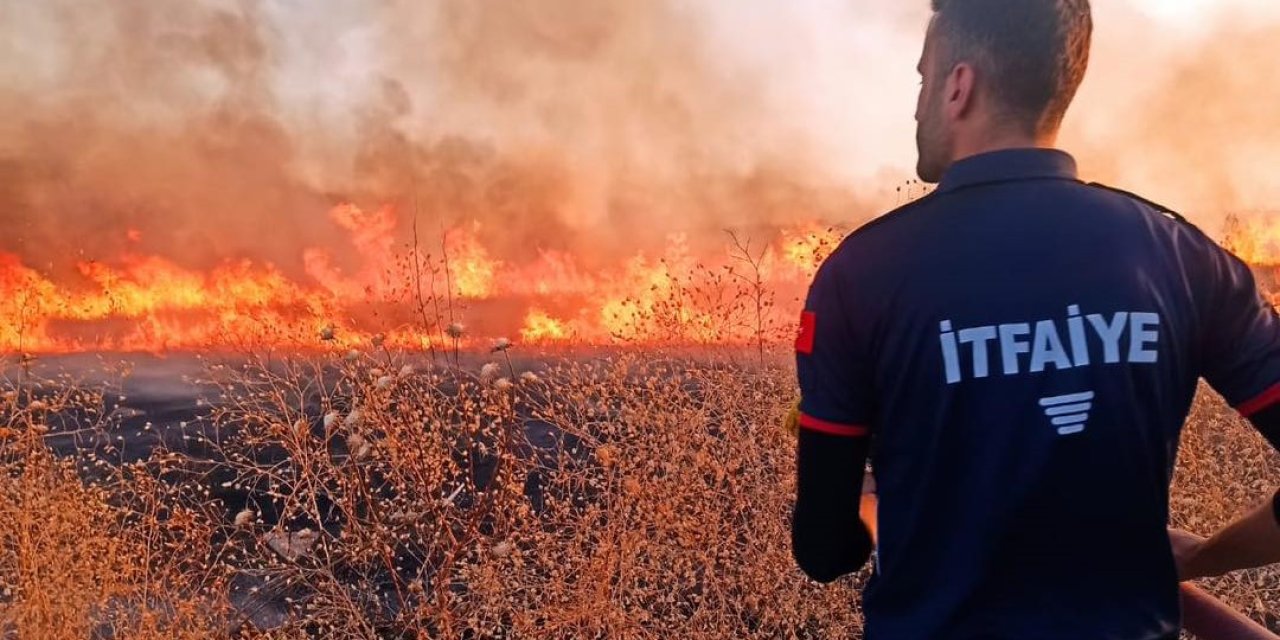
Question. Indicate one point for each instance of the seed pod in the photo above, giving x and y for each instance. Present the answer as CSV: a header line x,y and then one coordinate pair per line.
x,y
353,419
456,330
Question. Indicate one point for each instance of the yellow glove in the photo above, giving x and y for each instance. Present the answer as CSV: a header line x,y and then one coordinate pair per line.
x,y
791,424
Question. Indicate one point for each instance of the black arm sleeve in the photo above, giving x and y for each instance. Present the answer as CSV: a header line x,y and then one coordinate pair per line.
x,y
828,538
1267,422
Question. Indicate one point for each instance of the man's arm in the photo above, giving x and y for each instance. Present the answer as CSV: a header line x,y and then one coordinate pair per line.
x,y
835,414
828,538
1251,541
1242,361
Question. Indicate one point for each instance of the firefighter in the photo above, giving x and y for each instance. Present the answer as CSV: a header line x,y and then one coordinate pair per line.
x,y
1016,353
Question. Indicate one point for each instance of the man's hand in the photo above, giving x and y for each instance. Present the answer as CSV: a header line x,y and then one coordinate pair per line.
x,y
1186,547
1251,541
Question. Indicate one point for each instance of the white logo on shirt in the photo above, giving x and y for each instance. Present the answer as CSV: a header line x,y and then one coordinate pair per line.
x,y
1068,413
1027,347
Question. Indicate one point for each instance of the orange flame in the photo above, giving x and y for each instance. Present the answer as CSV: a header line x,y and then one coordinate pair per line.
x,y
471,269
539,326
150,303
1254,238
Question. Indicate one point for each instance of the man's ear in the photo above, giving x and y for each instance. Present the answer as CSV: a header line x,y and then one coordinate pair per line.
x,y
959,93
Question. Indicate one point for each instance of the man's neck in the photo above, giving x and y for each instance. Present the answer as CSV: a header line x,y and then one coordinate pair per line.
x,y
1001,141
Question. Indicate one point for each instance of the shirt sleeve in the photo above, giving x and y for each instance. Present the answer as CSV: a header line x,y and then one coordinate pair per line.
x,y
1241,347
831,361
828,537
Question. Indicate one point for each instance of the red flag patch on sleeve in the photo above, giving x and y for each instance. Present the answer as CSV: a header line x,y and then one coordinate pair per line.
x,y
808,327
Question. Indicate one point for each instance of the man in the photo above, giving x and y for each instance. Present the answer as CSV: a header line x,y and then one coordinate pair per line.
x,y
1017,352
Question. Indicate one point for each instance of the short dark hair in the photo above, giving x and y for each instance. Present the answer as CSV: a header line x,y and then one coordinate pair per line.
x,y
1033,53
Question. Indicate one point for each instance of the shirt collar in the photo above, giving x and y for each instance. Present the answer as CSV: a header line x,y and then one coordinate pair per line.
x,y
1009,164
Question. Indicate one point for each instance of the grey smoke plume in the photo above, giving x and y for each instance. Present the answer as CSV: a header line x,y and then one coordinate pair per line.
x,y
228,128
1190,120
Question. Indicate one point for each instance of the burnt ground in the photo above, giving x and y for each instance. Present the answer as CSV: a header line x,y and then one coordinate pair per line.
x,y
167,403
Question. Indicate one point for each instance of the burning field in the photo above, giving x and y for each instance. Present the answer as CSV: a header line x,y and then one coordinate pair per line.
x,y
373,491
222,460
408,296
461,319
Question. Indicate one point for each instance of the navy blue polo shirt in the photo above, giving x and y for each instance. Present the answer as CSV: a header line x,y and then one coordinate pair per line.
x,y
1023,349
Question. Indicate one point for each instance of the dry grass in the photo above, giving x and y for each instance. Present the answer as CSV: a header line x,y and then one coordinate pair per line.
x,y
651,500
102,558
634,494
1224,469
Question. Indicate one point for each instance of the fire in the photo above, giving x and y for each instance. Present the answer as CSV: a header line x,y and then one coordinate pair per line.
x,y
1254,239
406,293
805,248
156,305
373,235
470,268
539,326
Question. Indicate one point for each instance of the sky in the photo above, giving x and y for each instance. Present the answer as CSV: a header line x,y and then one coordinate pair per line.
x,y
229,128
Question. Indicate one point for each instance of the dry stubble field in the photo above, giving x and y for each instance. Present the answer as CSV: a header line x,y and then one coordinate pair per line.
x,y
367,496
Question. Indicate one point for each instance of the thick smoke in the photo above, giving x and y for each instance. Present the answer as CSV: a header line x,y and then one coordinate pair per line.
x,y
1192,121
157,118
224,129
